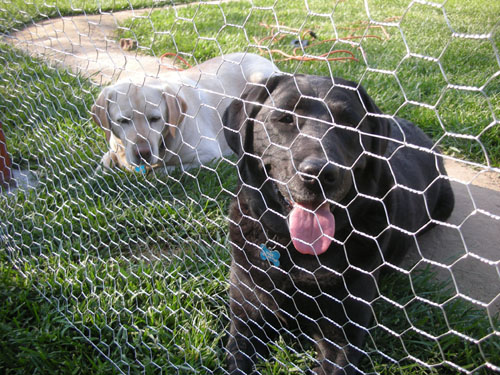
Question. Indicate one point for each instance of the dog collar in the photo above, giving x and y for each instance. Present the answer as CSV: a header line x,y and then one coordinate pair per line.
x,y
271,255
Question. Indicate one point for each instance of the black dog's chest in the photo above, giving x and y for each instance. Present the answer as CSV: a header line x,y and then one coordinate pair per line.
x,y
273,262
264,248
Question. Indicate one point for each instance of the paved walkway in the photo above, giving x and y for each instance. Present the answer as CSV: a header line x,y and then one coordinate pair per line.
x,y
86,44
468,252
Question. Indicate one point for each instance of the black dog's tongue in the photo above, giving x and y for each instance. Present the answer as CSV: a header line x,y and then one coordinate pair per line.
x,y
311,230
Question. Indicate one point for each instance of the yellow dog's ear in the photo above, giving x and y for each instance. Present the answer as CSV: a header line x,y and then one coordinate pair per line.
x,y
100,112
176,109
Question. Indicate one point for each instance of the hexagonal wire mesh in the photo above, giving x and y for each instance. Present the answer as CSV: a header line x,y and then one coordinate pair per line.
x,y
328,189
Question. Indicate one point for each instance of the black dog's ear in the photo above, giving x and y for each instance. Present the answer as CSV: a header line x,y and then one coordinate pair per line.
x,y
233,119
375,127
237,118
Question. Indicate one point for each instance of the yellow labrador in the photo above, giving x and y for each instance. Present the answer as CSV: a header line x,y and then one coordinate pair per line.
x,y
175,120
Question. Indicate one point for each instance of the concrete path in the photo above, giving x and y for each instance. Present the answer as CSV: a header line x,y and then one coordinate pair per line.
x,y
86,44
467,252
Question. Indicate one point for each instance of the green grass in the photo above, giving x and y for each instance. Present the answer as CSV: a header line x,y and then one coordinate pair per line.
x,y
139,264
385,68
46,113
35,337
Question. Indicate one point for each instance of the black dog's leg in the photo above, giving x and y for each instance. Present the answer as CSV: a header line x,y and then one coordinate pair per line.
x,y
244,345
339,354
341,334
251,329
337,351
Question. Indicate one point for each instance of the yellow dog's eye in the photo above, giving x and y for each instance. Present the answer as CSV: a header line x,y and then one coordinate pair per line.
x,y
123,121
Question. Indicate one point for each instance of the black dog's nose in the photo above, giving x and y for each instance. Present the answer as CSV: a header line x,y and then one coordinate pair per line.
x,y
313,170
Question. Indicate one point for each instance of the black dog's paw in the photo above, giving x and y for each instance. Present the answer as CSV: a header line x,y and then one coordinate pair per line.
x,y
317,371
239,364
332,370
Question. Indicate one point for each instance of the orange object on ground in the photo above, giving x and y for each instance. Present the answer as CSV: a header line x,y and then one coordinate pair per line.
x,y
5,162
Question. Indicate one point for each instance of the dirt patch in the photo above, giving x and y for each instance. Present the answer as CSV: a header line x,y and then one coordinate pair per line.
x,y
473,175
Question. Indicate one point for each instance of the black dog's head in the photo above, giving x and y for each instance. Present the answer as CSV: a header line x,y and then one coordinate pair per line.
x,y
302,142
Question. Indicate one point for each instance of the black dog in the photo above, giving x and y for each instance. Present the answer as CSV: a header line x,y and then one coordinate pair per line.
x,y
331,190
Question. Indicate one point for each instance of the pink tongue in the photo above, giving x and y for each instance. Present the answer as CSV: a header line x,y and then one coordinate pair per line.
x,y
309,229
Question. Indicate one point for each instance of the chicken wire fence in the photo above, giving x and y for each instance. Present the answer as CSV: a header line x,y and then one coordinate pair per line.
x,y
138,263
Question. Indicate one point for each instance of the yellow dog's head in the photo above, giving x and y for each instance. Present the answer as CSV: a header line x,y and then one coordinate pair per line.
x,y
138,119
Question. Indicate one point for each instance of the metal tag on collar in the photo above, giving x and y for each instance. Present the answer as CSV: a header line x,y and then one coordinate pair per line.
x,y
140,169
272,256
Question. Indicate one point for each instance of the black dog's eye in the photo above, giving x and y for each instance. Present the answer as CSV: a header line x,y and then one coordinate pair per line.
x,y
286,119
268,169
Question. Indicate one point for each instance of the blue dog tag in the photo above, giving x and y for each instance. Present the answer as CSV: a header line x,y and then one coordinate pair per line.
x,y
141,169
271,255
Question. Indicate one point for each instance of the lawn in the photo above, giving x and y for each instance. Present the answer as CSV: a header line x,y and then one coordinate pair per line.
x,y
102,273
